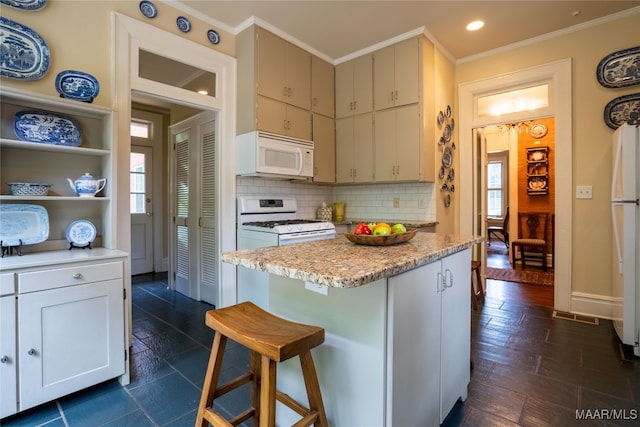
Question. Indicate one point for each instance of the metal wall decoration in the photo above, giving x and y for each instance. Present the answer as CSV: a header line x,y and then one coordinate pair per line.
x,y
446,173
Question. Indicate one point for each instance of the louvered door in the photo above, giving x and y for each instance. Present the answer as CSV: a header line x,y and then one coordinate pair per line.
x,y
181,212
208,219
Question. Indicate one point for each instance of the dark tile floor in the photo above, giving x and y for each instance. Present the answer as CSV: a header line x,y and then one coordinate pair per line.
x,y
529,370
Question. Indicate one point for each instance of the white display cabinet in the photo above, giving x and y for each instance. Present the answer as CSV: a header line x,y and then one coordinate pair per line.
x,y
22,161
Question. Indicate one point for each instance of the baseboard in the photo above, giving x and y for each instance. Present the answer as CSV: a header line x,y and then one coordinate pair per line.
x,y
592,305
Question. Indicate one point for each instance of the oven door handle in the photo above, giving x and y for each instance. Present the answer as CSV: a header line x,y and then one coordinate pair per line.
x,y
305,236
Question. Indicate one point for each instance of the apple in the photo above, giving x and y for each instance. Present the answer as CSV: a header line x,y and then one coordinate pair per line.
x,y
382,229
361,228
398,228
372,225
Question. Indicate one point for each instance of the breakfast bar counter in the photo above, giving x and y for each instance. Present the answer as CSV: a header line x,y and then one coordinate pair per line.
x,y
339,263
396,320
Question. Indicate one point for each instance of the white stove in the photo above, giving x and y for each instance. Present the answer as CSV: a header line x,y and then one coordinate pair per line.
x,y
269,221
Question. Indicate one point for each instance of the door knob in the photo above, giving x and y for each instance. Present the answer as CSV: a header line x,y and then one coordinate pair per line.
x,y
149,213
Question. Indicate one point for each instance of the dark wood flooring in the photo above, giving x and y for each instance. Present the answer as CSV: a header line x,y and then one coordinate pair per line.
x,y
530,369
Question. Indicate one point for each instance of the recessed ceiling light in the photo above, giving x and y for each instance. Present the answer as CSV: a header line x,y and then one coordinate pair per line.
x,y
475,25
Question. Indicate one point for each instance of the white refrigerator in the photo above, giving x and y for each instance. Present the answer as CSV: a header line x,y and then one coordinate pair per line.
x,y
625,209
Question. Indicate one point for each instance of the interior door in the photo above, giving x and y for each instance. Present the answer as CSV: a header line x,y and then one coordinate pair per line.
x,y
195,243
140,190
480,163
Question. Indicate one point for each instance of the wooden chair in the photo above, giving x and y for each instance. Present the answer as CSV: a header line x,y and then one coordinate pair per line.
x,y
476,293
270,340
501,232
532,238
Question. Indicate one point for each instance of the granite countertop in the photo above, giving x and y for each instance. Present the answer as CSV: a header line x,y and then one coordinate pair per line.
x,y
340,263
412,223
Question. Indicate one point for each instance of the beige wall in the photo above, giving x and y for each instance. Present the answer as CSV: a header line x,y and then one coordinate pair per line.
x,y
78,34
591,223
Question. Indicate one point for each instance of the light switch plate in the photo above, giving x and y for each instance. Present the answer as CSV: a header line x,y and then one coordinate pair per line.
x,y
584,192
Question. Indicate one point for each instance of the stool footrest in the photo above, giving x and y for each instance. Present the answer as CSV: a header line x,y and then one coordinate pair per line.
x,y
244,416
233,384
295,405
216,419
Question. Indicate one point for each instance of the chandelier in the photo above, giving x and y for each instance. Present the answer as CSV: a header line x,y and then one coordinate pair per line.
x,y
519,127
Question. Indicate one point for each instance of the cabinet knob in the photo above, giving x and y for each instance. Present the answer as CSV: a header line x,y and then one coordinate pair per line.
x,y
77,276
31,352
4,359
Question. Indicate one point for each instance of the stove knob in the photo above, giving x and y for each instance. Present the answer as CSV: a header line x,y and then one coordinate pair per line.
x,y
289,228
299,227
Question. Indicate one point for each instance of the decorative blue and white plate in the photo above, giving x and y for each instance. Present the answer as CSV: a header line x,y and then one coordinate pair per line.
x,y
46,128
183,24
148,9
624,109
620,69
25,4
77,85
26,224
81,232
24,55
213,36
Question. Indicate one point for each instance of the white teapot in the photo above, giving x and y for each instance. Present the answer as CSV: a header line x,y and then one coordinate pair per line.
x,y
86,185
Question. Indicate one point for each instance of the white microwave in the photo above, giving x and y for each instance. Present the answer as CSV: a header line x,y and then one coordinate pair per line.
x,y
276,156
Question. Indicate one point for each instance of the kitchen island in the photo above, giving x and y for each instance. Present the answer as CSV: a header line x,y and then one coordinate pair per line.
x,y
397,323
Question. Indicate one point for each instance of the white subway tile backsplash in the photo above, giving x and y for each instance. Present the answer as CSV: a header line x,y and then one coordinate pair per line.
x,y
370,201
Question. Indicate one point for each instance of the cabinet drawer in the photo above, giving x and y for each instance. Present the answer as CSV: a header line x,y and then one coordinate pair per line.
x,y
7,284
68,276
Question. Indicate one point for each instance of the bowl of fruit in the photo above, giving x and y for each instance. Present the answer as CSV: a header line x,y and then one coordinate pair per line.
x,y
380,234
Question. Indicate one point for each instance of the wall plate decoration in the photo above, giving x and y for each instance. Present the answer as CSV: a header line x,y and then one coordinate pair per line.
x,y
538,130
213,36
148,9
25,4
77,85
183,24
25,55
46,128
623,109
620,69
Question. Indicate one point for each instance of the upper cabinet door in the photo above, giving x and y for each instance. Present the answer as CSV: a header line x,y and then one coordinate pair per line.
x,y
272,60
284,70
397,74
322,87
354,86
298,84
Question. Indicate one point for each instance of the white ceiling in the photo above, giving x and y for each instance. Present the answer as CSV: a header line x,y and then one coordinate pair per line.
x,y
337,30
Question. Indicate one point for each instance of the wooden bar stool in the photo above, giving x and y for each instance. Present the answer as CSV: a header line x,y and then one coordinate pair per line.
x,y
270,340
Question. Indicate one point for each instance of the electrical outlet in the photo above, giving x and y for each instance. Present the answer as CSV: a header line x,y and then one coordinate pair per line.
x,y
584,192
396,202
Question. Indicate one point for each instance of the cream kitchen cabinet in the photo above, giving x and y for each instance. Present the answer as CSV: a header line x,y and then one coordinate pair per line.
x,y
70,332
396,74
8,351
354,149
397,142
322,87
324,150
283,70
431,296
354,86
283,119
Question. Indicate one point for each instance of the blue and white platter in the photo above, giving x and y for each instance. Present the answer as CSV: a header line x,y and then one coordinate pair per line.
x,y
624,109
24,55
25,4
81,232
77,85
23,224
620,69
148,9
46,128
